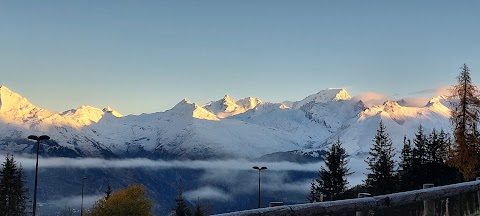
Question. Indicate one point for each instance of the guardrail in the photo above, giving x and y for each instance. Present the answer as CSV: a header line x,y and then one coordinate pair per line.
x,y
367,203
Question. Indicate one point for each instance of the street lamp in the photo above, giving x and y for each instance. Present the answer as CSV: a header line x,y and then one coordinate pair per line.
x,y
38,139
81,207
259,169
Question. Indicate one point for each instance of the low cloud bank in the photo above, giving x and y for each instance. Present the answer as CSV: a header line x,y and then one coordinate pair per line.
x,y
142,163
214,169
75,201
220,181
208,193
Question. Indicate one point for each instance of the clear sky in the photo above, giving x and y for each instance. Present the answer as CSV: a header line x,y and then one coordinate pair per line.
x,y
146,56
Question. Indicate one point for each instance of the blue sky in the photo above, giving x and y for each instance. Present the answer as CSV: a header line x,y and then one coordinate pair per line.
x,y
146,56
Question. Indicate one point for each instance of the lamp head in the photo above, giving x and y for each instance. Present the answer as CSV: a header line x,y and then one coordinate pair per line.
x,y
44,137
256,167
36,138
33,137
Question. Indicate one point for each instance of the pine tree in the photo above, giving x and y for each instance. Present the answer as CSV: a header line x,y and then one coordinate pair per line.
x,y
435,170
333,177
181,208
199,211
420,143
437,145
465,118
445,144
381,179
406,167
108,192
13,194
419,159
314,194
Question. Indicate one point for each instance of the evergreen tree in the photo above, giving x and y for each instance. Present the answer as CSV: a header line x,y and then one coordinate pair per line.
x,y
199,211
333,177
445,144
420,143
314,194
108,192
181,208
465,118
406,166
13,194
381,179
435,170
437,145
419,159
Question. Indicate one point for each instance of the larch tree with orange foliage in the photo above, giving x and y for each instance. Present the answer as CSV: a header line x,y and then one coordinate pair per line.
x,y
465,117
124,202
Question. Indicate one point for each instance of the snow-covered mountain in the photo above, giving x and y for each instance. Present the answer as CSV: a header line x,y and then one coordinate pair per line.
x,y
227,107
247,128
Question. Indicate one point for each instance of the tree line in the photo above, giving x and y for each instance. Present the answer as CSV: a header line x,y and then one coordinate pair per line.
x,y
433,157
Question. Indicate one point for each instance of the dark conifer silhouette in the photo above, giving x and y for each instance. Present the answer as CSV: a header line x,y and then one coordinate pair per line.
x,y
332,179
13,194
382,178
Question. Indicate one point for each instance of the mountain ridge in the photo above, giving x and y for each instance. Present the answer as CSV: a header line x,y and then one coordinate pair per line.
x,y
246,128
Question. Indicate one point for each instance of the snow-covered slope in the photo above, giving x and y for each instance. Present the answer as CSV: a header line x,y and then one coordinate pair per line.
x,y
248,128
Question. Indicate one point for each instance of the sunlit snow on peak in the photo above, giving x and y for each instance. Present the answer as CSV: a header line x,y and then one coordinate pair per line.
x,y
108,109
323,96
227,106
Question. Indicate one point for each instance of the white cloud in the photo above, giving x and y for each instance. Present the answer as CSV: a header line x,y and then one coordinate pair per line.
x,y
302,186
371,99
415,102
207,193
433,92
84,163
75,201
234,177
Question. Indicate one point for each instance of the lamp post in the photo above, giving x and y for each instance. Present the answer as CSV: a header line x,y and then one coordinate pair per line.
x,y
38,139
81,207
259,169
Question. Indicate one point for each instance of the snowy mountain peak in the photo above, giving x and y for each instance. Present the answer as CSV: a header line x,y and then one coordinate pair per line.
x,y
227,106
390,103
228,98
324,96
336,94
182,104
84,114
190,109
222,108
437,100
391,106
10,100
108,109
440,104
249,103
185,101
